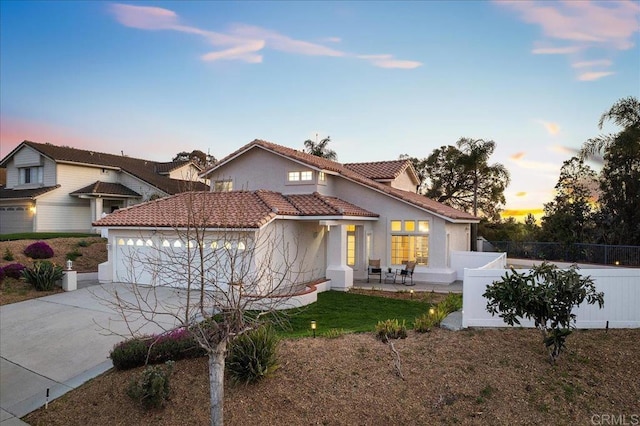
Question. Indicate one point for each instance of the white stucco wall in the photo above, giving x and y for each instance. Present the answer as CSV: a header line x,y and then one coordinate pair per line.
x,y
259,169
300,253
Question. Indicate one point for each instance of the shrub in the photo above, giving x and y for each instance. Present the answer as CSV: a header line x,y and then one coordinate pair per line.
x,y
334,333
43,275
431,319
14,270
547,295
39,250
73,255
8,255
1,275
83,243
130,353
175,345
391,329
253,355
152,388
452,303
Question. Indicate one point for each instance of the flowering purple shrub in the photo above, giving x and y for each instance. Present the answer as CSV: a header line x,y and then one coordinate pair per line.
x,y
174,345
13,270
1,274
39,250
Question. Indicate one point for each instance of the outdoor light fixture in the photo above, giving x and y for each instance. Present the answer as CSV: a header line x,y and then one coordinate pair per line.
x,y
617,263
32,209
69,264
313,327
432,311
411,291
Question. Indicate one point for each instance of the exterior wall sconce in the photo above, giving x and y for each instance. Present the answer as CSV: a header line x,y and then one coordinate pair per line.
x,y
313,327
32,209
69,265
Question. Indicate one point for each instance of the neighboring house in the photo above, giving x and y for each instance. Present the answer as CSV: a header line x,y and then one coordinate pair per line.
x,y
53,188
339,215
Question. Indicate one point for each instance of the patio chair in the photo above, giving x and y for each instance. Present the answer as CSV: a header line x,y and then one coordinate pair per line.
x,y
374,269
407,272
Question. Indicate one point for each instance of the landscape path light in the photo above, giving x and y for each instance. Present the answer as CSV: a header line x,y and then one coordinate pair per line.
x,y
313,327
432,311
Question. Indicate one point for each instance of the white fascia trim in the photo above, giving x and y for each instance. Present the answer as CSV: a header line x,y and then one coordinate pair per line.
x,y
95,166
170,228
331,218
218,165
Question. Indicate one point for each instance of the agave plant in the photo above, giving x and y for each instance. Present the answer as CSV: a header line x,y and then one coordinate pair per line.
x,y
43,275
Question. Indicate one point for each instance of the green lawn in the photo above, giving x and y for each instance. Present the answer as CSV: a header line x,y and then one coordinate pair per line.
x,y
43,236
349,312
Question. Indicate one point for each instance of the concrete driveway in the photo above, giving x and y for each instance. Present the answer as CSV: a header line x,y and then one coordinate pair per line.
x,y
59,342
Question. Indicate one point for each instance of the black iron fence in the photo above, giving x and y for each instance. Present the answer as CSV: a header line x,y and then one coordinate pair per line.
x,y
578,253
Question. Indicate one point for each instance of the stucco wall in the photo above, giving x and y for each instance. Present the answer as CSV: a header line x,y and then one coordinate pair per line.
x,y
259,169
299,252
404,182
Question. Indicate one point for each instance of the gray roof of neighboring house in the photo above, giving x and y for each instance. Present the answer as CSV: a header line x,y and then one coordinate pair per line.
x,y
145,170
21,194
106,188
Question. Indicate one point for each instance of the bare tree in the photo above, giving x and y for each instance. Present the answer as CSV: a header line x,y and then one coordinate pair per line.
x,y
216,271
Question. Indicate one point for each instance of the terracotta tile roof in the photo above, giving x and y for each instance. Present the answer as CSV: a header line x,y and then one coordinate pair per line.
x,y
106,188
321,205
31,194
142,169
333,166
381,170
237,209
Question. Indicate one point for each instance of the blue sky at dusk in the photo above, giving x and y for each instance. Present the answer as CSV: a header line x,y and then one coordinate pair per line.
x,y
151,79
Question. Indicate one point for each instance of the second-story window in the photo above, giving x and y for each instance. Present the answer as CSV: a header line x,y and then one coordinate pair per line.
x,y
223,186
31,175
300,176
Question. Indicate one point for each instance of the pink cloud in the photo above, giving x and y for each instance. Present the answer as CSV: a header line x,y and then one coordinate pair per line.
x,y
581,26
590,64
241,42
555,50
517,156
551,128
594,75
388,61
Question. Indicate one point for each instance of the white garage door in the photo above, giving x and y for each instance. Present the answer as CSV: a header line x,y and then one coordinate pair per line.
x,y
15,219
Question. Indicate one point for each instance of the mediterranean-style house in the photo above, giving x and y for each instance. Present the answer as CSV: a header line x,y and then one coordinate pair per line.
x,y
53,188
340,215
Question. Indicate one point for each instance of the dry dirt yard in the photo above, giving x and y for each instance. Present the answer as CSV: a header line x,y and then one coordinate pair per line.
x,y
476,376
480,376
12,291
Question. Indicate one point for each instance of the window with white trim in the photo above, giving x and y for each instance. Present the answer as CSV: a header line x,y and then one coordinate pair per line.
x,y
409,241
31,175
300,176
351,245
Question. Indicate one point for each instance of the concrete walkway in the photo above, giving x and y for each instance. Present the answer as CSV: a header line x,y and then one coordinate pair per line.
x,y
454,287
59,342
